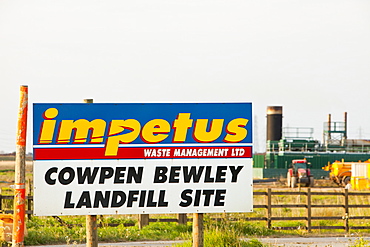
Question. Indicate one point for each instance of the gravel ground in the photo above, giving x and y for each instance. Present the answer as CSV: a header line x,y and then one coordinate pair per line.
x,y
131,244
313,242
272,242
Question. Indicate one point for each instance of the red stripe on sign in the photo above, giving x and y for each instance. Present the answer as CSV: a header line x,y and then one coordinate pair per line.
x,y
142,153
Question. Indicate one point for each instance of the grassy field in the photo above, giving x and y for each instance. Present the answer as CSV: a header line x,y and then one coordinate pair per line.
x,y
48,230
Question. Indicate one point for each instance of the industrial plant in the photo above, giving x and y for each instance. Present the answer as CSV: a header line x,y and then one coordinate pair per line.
x,y
286,144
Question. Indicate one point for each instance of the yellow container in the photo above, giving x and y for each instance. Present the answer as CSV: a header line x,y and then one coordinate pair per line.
x,y
353,182
6,227
360,183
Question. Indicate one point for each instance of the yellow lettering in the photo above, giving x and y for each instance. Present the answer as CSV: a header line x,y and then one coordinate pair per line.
x,y
181,125
48,126
126,131
200,130
81,127
117,127
154,131
236,130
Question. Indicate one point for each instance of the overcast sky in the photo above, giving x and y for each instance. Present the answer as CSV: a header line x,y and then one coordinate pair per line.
x,y
310,56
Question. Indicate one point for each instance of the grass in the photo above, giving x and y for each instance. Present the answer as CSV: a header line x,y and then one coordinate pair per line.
x,y
216,238
360,243
227,233
11,157
47,230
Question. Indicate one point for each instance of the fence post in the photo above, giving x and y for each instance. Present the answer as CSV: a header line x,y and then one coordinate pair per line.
x,y
346,210
143,220
91,220
29,200
1,200
309,213
269,213
182,219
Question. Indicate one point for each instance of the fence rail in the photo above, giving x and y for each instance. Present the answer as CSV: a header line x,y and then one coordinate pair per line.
x,y
268,205
346,216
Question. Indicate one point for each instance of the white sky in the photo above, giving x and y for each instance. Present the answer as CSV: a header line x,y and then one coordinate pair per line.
x,y
310,56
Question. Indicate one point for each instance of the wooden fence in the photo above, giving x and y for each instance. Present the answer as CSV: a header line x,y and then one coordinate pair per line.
x,y
309,217
346,216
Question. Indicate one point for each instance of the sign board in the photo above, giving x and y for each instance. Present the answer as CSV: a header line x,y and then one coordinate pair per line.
x,y
142,158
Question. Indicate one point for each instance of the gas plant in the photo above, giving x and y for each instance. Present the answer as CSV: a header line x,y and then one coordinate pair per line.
x,y
285,144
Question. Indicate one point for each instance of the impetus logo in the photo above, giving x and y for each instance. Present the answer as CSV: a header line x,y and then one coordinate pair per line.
x,y
98,131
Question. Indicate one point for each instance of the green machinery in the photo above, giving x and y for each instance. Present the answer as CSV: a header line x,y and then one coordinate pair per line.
x,y
298,143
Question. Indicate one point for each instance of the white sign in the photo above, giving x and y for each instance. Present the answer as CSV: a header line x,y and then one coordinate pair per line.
x,y
133,158
95,187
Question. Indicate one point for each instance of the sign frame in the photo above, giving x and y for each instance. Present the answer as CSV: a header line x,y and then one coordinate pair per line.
x,y
181,169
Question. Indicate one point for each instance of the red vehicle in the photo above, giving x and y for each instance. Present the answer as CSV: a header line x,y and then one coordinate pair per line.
x,y
299,173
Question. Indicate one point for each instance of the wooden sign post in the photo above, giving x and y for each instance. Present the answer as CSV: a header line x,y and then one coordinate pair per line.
x,y
91,225
198,230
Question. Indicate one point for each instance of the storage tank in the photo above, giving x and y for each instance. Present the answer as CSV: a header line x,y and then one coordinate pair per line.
x,y
274,123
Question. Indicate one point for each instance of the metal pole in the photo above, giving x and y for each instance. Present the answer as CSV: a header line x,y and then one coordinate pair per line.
x,y
198,230
345,126
91,220
329,126
20,164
